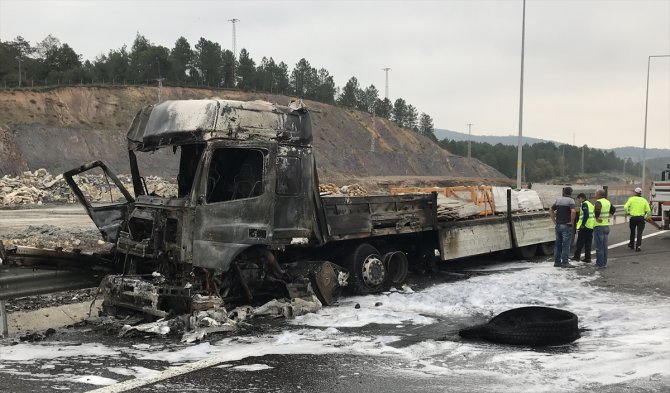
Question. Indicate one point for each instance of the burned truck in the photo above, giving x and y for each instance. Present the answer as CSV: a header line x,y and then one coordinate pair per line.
x,y
248,222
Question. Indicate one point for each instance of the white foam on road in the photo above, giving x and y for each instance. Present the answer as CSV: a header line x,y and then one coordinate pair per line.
x,y
627,337
252,367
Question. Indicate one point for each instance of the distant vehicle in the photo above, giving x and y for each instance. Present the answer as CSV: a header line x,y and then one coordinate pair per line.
x,y
659,199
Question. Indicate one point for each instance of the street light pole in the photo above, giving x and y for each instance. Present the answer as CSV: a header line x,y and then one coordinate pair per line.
x,y
519,146
469,140
19,59
646,111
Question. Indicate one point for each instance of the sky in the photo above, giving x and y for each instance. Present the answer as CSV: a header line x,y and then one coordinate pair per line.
x,y
458,61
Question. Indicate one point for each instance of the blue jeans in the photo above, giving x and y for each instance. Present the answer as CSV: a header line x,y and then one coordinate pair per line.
x,y
562,244
600,234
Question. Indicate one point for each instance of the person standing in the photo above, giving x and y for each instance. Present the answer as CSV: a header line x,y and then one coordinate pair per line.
x,y
602,210
639,211
562,213
584,227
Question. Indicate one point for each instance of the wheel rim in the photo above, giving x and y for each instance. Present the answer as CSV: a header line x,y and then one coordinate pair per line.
x,y
373,270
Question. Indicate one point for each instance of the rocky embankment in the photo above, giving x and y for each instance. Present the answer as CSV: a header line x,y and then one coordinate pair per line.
x,y
62,128
36,188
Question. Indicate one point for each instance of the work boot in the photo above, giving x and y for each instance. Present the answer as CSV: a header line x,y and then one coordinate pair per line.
x,y
638,249
557,265
567,265
631,246
586,260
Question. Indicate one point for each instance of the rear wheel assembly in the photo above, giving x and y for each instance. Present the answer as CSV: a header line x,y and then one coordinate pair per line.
x,y
367,270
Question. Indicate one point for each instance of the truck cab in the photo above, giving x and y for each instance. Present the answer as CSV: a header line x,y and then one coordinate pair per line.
x,y
246,180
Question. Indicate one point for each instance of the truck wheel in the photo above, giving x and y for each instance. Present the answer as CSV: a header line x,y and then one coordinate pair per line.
x,y
545,249
367,271
396,266
526,252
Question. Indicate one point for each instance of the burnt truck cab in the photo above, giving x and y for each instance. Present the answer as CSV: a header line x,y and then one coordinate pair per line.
x,y
246,178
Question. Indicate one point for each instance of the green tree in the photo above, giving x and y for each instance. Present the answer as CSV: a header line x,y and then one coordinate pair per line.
x,y
412,120
209,61
426,126
228,68
368,99
181,61
281,79
304,79
399,112
246,71
325,90
147,61
351,92
383,108
48,43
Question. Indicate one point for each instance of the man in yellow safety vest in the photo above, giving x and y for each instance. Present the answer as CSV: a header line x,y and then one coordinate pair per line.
x,y
638,210
602,210
584,226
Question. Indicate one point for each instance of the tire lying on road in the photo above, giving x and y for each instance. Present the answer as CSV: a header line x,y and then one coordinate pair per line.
x,y
533,326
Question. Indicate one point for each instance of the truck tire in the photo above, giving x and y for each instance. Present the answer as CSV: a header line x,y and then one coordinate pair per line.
x,y
526,252
545,249
367,271
396,265
533,326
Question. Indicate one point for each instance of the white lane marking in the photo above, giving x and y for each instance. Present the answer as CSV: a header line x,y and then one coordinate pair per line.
x,y
644,237
163,375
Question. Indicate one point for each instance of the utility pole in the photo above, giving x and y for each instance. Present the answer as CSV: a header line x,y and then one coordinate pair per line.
x,y
232,66
583,158
19,59
234,21
160,88
519,146
386,91
469,140
646,108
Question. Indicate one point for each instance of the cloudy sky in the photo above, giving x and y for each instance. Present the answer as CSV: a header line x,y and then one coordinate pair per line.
x,y
458,61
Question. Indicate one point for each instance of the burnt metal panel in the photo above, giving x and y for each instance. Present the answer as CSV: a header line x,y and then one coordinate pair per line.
x,y
349,217
189,121
222,230
108,218
295,215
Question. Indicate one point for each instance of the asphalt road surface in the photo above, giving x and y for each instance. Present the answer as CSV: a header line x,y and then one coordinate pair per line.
x,y
408,343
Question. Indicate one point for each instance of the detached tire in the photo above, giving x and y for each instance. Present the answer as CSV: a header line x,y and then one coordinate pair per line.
x,y
367,273
396,265
533,326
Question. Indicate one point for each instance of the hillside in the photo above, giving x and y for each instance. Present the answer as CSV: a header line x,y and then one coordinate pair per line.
x,y
492,139
61,128
632,152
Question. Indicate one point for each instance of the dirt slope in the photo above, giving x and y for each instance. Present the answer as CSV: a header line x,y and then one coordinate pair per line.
x,y
61,128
